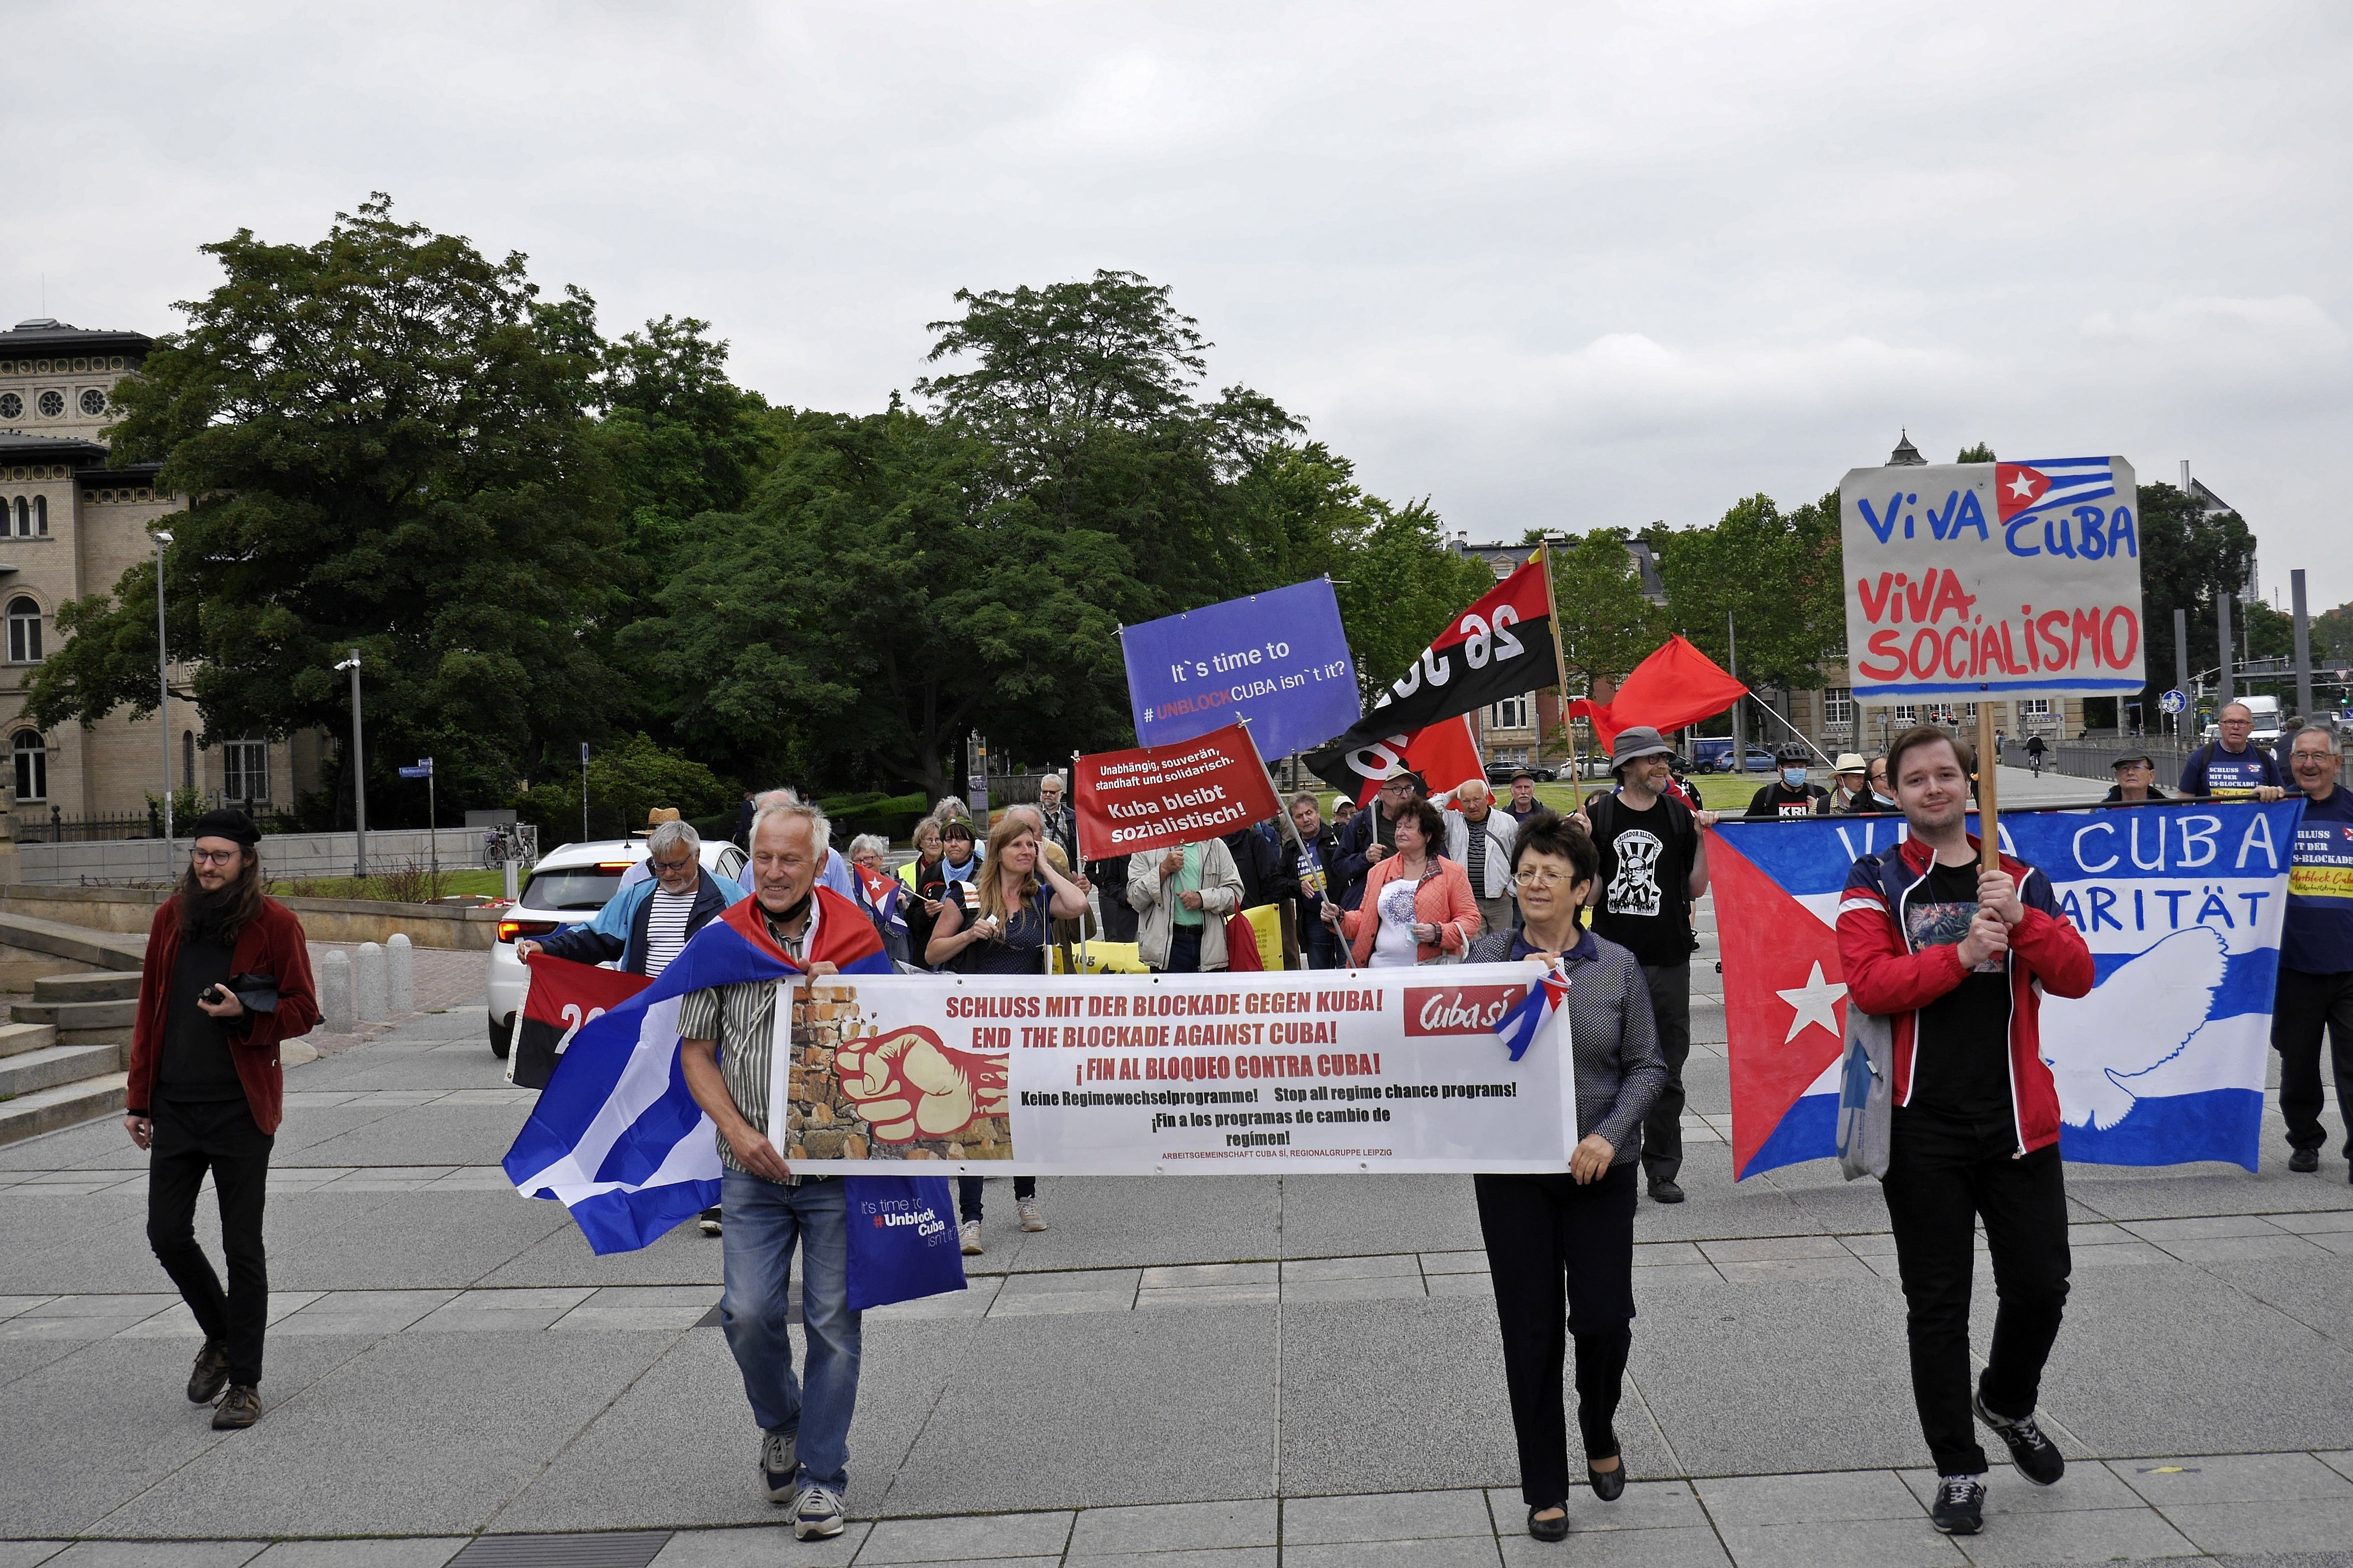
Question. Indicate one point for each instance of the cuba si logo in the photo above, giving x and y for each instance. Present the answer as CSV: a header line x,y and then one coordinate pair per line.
x,y
1458,1009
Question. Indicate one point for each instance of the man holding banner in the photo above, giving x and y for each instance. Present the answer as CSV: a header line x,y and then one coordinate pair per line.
x,y
2316,977
1952,953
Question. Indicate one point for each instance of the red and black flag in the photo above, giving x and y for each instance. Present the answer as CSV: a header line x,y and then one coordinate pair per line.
x,y
564,995
1501,647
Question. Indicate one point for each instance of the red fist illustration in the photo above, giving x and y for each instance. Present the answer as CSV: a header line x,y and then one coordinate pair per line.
x,y
911,1086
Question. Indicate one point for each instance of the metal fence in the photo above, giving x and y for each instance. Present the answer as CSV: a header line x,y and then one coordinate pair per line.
x,y
32,825
2096,759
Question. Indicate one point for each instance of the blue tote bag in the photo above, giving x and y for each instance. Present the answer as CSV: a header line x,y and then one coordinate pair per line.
x,y
902,1239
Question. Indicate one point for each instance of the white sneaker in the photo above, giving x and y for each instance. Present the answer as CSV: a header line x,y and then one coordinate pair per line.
x,y
1031,1219
816,1514
970,1232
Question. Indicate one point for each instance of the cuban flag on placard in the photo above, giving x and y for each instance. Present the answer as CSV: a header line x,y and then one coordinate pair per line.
x,y
2163,1063
1518,1025
2054,481
615,1137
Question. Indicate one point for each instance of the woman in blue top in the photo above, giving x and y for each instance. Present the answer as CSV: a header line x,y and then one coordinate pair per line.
x,y
1567,1240
1002,923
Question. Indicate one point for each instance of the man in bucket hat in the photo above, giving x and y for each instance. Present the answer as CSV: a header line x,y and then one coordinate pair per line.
x,y
1653,864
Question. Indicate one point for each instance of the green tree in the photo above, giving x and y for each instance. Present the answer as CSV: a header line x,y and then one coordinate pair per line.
x,y
625,781
1606,624
2185,557
1980,453
1776,575
385,438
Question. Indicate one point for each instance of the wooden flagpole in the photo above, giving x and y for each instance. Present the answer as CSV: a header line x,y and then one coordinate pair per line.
x,y
1989,823
1560,670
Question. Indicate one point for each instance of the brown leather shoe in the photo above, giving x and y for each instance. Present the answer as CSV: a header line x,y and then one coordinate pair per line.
x,y
241,1406
211,1372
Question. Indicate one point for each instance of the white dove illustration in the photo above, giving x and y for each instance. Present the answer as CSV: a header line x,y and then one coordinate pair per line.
x,y
2107,1049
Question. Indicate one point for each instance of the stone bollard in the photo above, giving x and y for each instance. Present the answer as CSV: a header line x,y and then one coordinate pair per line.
x,y
367,982
400,974
334,982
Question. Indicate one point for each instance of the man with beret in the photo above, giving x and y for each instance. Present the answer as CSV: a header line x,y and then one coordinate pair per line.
x,y
227,979
2136,781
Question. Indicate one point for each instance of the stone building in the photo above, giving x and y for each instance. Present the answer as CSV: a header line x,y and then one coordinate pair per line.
x,y
71,522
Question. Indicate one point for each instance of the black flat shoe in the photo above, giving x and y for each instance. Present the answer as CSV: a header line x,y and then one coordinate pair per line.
x,y
1548,1528
2304,1160
1608,1485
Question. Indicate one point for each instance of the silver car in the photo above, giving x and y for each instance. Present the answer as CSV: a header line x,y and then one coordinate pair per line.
x,y
568,886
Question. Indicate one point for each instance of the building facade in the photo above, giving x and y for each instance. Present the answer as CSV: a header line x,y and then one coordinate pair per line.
x,y
71,523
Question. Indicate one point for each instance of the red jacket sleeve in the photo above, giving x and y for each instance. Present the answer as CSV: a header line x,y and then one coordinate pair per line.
x,y
286,957
2054,951
1460,924
147,1022
1881,977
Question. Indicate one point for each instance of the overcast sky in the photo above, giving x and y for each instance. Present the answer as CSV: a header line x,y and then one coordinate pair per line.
x,y
1549,265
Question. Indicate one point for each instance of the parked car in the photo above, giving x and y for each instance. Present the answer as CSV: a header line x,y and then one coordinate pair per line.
x,y
568,886
1713,754
1503,773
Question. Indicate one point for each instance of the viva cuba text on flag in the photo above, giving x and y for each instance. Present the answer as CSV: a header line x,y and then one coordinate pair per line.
x,y
2163,1062
615,1137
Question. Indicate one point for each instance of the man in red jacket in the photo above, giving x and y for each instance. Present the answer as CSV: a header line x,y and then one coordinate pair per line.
x,y
1952,955
227,977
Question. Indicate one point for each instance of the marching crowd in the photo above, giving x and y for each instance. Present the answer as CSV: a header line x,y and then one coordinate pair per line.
x,y
1952,954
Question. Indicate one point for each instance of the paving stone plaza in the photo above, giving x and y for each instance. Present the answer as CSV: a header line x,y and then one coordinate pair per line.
x,y
1185,1373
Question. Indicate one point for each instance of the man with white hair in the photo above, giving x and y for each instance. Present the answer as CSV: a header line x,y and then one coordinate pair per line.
x,y
1058,823
2314,989
835,873
646,924
1479,838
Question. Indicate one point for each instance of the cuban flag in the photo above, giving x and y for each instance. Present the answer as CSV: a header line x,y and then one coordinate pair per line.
x,y
2163,1061
2048,482
615,1137
1518,1026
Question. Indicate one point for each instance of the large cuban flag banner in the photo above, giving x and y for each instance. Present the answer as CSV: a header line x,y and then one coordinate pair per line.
x,y
615,1137
2162,1063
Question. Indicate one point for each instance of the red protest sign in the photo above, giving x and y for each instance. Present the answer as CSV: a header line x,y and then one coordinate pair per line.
x,y
1161,796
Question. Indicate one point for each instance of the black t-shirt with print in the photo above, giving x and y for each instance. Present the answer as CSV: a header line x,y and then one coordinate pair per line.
x,y
1646,865
1961,1058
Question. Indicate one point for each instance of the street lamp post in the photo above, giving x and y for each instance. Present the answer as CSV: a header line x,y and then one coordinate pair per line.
x,y
359,771
163,685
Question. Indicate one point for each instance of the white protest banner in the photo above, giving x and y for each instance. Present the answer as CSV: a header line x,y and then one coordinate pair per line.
x,y
1976,577
1387,1069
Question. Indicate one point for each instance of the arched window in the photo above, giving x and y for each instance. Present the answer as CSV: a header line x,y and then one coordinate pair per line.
x,y
23,631
24,518
40,516
32,765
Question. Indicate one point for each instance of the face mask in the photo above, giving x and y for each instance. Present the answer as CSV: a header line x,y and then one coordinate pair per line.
x,y
1793,777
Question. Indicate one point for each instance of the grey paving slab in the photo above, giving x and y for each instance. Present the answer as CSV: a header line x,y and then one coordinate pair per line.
x,y
1744,1381
1851,1543
973,1301
19,1357
477,1311
2341,1462
408,1240
2328,1221
2231,1477
1461,1551
455,1425
158,1554
678,1447
1136,1221
1434,1263
2318,1293
1355,1216
1643,1505
1211,1557
903,1540
369,1312
1395,1266
1396,1516
1196,1275
1380,1287
1171,1405
735,1548
2088,1484
1207,1296
2281,1524
1176,1527
2084,1535
414,1551
2172,1357
29,1553
1691,1547
1763,1501
683,1257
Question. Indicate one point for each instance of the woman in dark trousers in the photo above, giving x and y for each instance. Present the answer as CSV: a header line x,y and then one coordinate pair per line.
x,y
1567,1241
1002,925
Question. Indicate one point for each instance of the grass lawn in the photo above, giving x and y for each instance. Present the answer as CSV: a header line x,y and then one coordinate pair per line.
x,y
487,884
1717,791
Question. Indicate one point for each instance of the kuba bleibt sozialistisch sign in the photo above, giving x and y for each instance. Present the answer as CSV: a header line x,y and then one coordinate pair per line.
x,y
2005,577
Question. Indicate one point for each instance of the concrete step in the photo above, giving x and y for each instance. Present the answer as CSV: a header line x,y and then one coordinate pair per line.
x,y
70,1016
17,1038
93,985
46,1110
77,944
57,1065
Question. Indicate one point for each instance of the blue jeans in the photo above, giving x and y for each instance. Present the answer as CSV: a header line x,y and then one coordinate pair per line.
x,y
764,1220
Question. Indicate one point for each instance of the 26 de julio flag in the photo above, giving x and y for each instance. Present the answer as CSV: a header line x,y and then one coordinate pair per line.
x,y
1501,647
2162,1063
563,998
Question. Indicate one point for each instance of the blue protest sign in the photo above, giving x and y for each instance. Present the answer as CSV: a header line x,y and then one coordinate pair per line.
x,y
1277,659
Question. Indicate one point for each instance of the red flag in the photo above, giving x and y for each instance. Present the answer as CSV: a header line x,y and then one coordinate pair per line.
x,y
1444,754
1676,686
561,998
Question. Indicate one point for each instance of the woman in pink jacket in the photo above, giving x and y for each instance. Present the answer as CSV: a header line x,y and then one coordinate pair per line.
x,y
1417,904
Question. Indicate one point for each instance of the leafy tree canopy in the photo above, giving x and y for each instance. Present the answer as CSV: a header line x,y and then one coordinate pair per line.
x,y
1776,575
1606,624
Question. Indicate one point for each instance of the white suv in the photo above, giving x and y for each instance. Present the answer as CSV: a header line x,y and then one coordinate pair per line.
x,y
568,886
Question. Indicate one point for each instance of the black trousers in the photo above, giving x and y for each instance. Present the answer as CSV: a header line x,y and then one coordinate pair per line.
x,y
2305,1005
1552,1244
219,1136
968,1194
1663,1128
1942,1177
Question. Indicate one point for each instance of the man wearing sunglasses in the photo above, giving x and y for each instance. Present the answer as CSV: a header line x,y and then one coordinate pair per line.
x,y
226,978
647,923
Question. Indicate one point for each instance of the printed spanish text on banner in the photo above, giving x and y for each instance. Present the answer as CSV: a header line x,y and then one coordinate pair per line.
x,y
1161,796
1501,647
1973,577
1212,1074
2162,1063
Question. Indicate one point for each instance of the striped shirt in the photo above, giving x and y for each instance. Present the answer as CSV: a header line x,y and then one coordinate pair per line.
x,y
742,1019
666,928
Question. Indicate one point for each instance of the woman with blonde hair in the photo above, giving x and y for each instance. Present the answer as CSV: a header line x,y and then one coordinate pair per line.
x,y
1000,923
